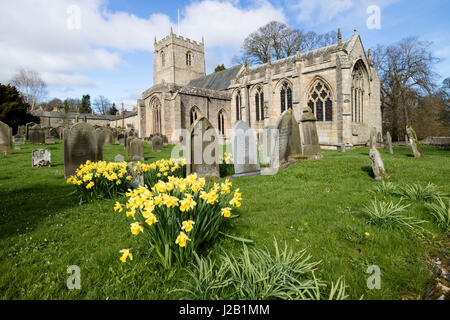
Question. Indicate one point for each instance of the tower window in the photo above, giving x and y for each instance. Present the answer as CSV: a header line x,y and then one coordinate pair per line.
x,y
188,58
163,59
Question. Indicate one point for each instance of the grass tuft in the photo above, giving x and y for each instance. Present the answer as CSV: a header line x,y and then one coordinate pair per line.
x,y
390,214
440,209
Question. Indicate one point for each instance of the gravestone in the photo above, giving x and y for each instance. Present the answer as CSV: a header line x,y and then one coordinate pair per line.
x,y
22,130
49,140
245,150
136,150
105,136
137,175
373,138
202,150
128,137
80,145
415,146
18,140
287,149
266,143
119,158
28,126
377,165
157,144
389,142
36,135
41,158
121,139
311,147
5,138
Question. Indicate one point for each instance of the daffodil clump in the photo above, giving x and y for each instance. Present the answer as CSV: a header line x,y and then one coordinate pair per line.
x,y
180,215
162,170
226,165
98,180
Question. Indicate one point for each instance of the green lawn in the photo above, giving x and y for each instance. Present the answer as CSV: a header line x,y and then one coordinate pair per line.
x,y
44,229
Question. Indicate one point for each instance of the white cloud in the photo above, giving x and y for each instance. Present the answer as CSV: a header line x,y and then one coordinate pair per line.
x,y
48,36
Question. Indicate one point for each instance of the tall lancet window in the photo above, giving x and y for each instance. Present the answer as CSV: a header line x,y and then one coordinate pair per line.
x,y
259,104
358,92
163,58
188,58
221,122
320,101
156,116
238,106
194,114
286,97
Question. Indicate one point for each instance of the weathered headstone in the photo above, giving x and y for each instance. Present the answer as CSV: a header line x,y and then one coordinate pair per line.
x,y
41,158
18,140
287,149
415,146
389,142
121,139
22,130
80,144
49,140
377,165
137,175
266,143
245,150
105,135
36,135
5,138
311,147
136,150
54,133
28,126
157,144
202,150
128,137
119,158
373,138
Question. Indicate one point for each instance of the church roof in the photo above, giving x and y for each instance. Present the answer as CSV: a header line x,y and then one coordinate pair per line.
x,y
216,81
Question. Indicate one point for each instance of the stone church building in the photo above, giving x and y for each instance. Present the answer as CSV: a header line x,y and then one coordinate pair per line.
x,y
337,82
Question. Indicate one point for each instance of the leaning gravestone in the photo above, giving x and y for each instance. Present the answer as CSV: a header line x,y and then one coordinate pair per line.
x,y
119,158
136,150
389,142
36,135
5,138
377,165
287,149
245,150
41,158
415,146
80,145
202,150
311,147
157,144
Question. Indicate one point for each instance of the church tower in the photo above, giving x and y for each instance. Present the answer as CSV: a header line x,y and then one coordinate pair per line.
x,y
178,60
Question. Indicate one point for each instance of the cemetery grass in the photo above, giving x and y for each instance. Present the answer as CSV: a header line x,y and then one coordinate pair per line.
x,y
314,205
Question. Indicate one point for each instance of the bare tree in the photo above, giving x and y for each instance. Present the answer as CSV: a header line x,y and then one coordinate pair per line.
x,y
102,105
406,73
30,85
280,41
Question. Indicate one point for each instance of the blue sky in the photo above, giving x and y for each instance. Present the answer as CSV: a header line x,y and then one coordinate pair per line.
x,y
105,47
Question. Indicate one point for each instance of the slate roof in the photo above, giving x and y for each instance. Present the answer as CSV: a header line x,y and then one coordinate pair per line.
x,y
216,81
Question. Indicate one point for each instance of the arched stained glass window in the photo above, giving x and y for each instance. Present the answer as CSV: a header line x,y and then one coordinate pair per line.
x,y
286,97
156,116
320,101
358,91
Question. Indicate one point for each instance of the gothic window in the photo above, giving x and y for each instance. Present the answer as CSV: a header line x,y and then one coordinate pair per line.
x,y
358,92
156,116
221,122
188,58
259,104
320,101
238,106
194,114
286,97
163,59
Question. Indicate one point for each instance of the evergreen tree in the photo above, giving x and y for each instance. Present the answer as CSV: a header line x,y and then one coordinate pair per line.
x,y
85,106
